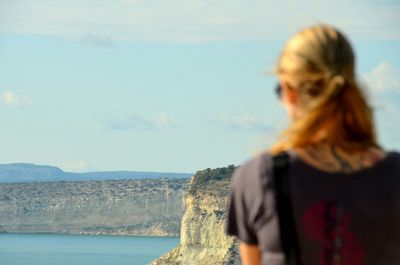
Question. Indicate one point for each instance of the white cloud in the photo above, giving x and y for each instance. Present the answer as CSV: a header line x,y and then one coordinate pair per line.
x,y
383,83
11,99
242,121
134,122
384,77
196,21
164,121
96,40
75,166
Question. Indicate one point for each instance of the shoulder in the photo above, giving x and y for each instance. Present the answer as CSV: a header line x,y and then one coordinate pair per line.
x,y
247,210
253,173
392,161
252,199
394,155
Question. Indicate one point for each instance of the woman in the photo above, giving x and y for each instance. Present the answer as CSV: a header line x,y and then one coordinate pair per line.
x,y
345,189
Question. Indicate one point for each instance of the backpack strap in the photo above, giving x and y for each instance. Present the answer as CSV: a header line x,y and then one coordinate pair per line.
x,y
284,208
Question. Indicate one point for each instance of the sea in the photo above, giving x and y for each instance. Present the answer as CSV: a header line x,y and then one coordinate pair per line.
x,y
56,249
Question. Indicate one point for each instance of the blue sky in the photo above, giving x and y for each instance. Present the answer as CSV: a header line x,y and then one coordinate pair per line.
x,y
169,85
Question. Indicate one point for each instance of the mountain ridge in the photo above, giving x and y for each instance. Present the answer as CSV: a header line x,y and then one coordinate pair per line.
x,y
29,172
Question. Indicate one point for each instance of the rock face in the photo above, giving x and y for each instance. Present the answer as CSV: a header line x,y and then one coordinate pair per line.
x,y
203,239
152,207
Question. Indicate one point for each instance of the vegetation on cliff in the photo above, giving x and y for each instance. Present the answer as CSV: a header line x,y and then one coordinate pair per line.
x,y
203,178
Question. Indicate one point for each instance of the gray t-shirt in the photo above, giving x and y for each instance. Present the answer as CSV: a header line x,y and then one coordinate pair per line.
x,y
346,219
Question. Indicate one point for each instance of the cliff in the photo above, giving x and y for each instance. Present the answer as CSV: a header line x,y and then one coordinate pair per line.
x,y
113,207
203,240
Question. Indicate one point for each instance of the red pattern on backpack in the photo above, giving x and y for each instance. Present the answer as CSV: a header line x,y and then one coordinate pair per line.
x,y
327,224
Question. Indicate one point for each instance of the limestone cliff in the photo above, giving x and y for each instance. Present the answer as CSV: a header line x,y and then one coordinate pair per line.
x,y
203,240
151,207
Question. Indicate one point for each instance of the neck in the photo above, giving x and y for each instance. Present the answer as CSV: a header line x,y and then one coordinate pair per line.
x,y
327,157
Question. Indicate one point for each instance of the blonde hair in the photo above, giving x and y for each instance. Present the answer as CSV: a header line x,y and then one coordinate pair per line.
x,y
320,63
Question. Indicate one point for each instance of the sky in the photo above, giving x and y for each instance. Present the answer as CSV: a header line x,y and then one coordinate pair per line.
x,y
169,86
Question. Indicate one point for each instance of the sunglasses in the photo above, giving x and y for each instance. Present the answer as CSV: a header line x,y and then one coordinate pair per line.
x,y
278,90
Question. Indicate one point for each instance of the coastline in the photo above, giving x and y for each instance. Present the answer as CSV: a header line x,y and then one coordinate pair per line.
x,y
88,234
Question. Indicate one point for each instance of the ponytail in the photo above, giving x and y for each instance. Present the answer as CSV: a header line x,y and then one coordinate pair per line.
x,y
340,116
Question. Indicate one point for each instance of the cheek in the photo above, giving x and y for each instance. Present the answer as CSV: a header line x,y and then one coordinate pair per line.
x,y
289,106
290,109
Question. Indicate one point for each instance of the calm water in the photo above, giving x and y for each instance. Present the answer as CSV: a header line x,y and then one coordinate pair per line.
x,y
43,249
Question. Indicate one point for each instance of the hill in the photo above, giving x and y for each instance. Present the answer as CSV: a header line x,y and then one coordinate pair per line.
x,y
24,172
